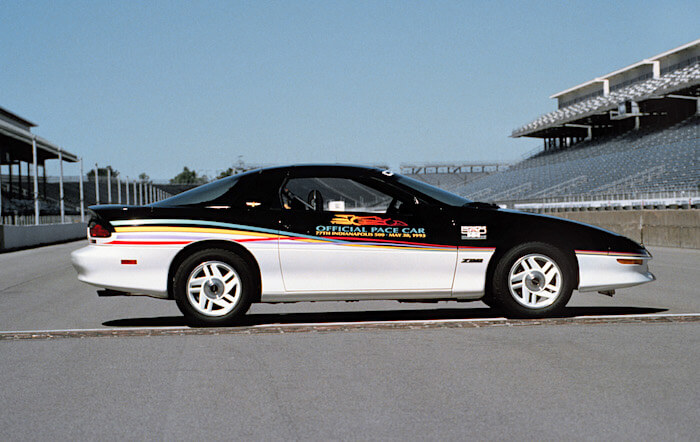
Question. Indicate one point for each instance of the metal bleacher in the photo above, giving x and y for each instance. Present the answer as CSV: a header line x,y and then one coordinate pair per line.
x,y
645,160
449,181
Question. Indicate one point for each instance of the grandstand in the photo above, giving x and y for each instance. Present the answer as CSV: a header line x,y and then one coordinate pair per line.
x,y
23,157
450,176
633,133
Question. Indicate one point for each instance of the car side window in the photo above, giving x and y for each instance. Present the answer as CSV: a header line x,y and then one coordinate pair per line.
x,y
333,195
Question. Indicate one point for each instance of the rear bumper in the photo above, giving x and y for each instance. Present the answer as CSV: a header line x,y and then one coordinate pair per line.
x,y
603,272
101,266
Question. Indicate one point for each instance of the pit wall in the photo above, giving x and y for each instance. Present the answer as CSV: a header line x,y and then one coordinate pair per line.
x,y
668,228
20,237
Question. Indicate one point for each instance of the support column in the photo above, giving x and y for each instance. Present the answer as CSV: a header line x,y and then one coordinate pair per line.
x,y
140,193
82,194
43,183
29,179
1,160
119,190
97,184
12,187
60,185
36,182
126,187
109,185
136,200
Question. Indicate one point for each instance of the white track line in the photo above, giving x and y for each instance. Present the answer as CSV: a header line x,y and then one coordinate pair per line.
x,y
324,324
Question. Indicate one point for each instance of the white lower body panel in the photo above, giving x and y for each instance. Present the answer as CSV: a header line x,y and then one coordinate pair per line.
x,y
340,268
101,266
470,274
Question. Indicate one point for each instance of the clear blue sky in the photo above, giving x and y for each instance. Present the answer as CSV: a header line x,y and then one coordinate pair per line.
x,y
152,86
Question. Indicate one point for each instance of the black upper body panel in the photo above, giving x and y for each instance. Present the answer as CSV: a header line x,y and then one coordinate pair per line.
x,y
253,198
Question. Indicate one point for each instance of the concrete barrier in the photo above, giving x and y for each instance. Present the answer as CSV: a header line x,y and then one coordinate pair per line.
x,y
18,237
670,228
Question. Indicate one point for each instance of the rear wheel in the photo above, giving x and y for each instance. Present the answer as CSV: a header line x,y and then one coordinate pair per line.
x,y
533,280
213,287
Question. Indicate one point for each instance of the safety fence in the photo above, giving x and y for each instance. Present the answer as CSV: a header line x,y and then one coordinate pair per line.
x,y
63,199
686,199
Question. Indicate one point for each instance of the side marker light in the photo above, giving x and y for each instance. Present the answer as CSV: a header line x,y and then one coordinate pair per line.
x,y
637,262
128,261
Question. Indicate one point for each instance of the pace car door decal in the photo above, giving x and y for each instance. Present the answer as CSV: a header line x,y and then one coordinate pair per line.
x,y
363,252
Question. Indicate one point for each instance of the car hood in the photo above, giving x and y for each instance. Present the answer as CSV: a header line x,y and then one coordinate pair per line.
x,y
505,225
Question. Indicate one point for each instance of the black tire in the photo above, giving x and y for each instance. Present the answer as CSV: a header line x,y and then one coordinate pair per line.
x,y
537,296
488,300
237,300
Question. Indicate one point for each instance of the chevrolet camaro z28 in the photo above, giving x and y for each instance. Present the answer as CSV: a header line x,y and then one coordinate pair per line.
x,y
332,233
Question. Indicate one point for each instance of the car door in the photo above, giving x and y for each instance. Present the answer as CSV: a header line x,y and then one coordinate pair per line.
x,y
343,234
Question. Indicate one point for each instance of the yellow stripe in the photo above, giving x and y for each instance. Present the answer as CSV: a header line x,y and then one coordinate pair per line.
x,y
192,230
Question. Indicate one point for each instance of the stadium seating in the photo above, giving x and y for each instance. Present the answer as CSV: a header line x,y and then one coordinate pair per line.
x,y
669,81
448,181
646,160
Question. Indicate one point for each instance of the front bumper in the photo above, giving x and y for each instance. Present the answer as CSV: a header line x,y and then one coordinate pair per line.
x,y
603,271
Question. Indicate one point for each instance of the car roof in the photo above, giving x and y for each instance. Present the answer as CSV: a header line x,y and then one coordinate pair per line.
x,y
322,168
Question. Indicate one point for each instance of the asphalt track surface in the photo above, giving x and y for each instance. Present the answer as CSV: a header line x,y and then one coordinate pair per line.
x,y
74,366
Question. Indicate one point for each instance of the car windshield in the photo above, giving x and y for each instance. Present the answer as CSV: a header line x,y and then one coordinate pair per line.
x,y
433,192
206,193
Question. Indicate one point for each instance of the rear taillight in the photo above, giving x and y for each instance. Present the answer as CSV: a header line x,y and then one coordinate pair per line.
x,y
98,231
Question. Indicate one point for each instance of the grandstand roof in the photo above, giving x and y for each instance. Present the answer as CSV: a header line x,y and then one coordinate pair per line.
x,y
629,68
15,136
664,76
15,118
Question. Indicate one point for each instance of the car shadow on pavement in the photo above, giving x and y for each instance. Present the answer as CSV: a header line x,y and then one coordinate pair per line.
x,y
377,316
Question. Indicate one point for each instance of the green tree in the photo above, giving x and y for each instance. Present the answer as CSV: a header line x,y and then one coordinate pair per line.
x,y
188,176
228,172
102,172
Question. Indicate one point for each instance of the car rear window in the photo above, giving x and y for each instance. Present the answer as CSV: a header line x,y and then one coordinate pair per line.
x,y
213,193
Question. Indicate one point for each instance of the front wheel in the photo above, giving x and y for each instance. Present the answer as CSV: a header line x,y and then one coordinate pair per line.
x,y
213,287
533,280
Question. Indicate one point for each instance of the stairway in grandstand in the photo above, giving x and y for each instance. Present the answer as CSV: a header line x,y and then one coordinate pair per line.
x,y
647,160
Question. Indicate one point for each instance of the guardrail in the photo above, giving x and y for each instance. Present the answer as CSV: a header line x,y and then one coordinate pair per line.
x,y
19,237
686,199
28,220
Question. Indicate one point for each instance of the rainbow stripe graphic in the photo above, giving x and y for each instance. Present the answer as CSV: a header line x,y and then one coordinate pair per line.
x,y
183,232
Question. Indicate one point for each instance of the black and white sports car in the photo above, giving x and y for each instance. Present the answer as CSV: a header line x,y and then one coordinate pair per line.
x,y
331,233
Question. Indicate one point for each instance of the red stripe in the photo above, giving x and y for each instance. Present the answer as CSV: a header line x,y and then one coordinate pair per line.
x,y
253,239
596,252
388,241
144,243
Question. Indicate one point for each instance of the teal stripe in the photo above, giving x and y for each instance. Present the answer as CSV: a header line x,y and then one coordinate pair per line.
x,y
170,222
